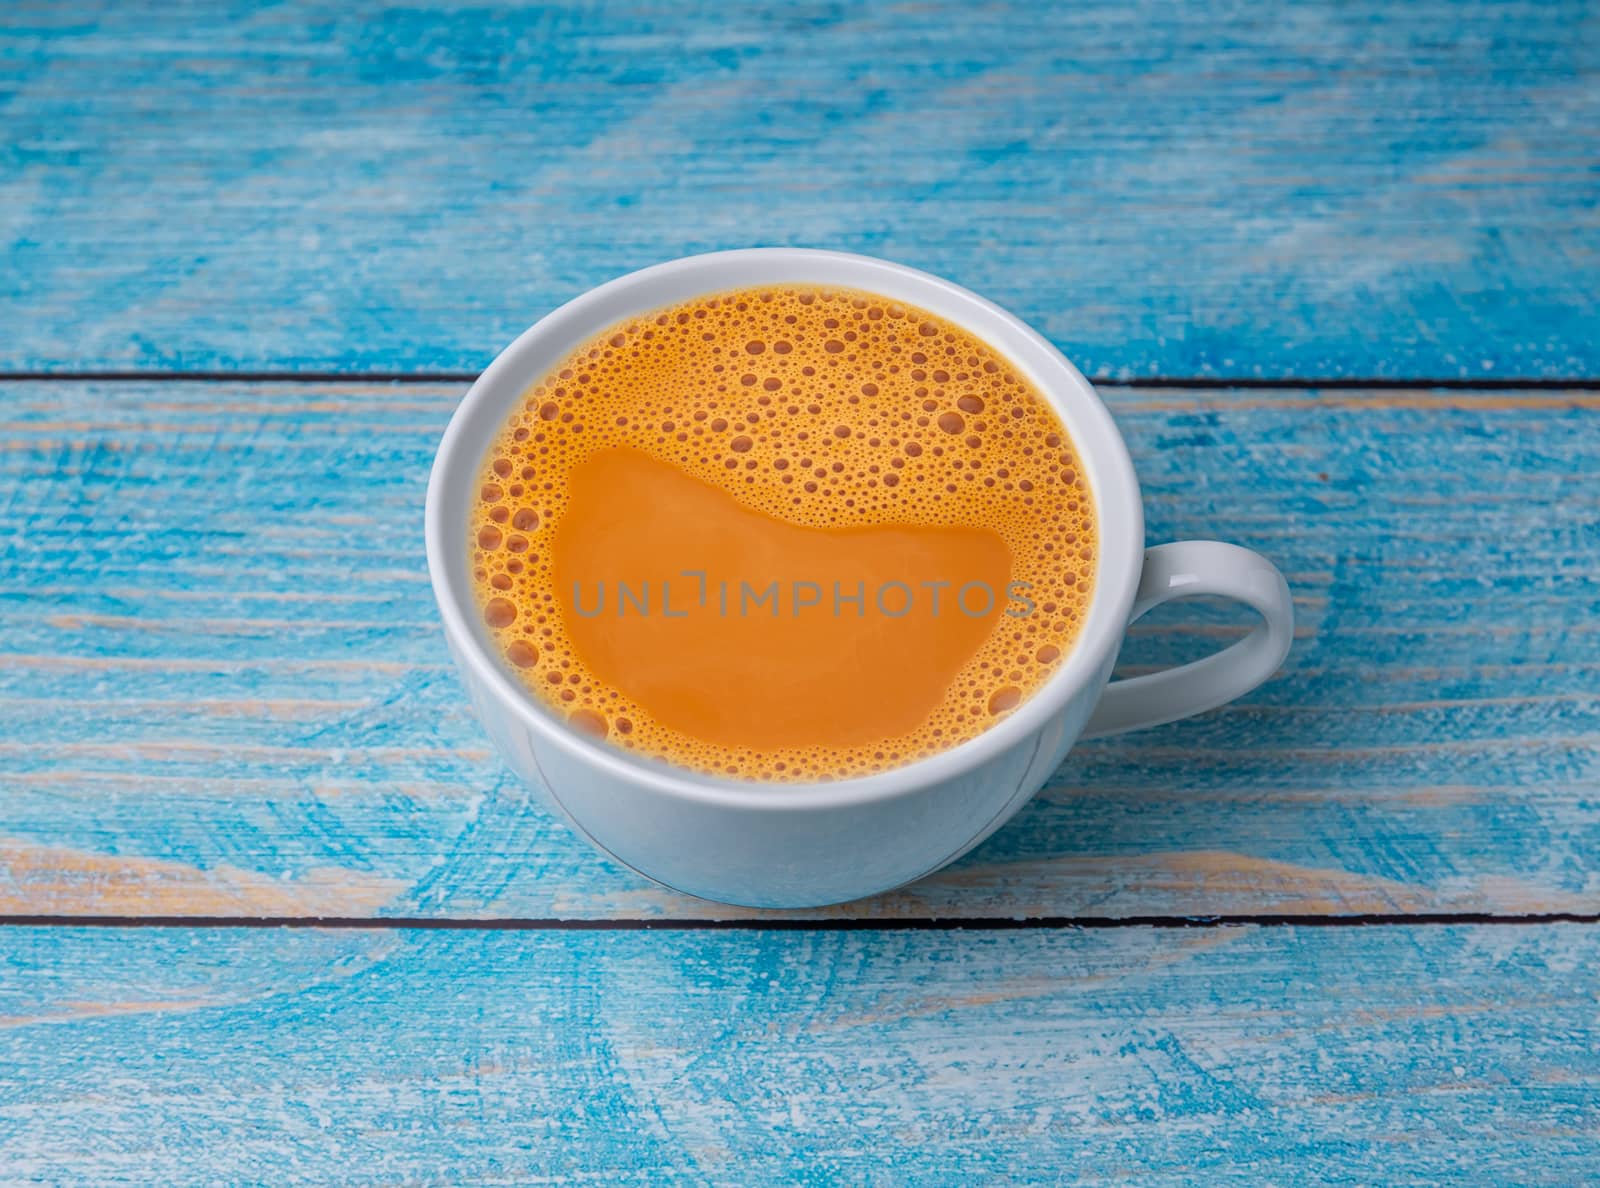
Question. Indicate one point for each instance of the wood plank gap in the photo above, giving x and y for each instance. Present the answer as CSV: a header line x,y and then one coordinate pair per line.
x,y
791,924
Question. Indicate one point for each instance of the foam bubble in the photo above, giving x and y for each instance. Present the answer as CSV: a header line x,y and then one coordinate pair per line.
x,y
590,722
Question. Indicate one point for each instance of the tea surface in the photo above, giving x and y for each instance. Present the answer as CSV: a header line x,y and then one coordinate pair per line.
x,y
783,533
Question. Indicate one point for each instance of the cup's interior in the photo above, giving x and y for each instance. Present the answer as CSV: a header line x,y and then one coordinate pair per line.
x,y
483,411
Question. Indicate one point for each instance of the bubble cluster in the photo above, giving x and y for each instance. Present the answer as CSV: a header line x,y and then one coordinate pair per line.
x,y
827,408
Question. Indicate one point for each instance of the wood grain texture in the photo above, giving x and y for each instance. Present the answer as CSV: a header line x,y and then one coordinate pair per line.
x,y
1312,189
1287,1055
223,690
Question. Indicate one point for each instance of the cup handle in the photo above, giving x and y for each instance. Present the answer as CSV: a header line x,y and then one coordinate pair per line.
x,y
1186,569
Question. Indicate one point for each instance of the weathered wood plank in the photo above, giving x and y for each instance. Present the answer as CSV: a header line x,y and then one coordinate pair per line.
x,y
223,691
1286,1055
1362,189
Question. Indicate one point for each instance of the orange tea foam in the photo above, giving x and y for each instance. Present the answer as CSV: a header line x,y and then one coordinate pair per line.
x,y
783,533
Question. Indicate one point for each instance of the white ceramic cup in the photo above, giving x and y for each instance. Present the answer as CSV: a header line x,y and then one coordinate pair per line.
x,y
785,845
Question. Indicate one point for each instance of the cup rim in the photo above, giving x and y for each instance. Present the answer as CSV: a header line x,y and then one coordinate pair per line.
x,y
1107,467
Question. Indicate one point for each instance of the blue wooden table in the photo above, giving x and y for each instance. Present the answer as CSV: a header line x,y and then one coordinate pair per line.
x,y
272,909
